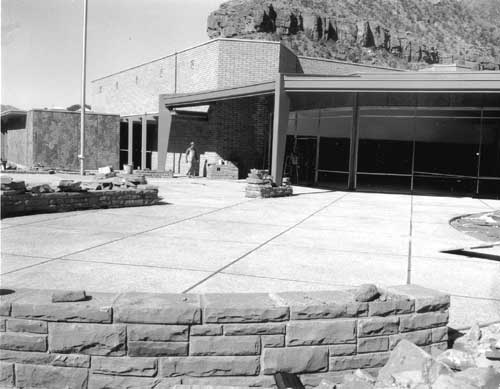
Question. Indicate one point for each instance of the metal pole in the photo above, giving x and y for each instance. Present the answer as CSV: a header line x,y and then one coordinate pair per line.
x,y
82,108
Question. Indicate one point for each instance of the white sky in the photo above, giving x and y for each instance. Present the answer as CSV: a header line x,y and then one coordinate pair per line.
x,y
42,40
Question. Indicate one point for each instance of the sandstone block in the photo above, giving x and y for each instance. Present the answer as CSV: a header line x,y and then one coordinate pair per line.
x,y
294,360
254,329
372,345
480,377
150,332
206,330
391,307
157,349
68,296
242,307
157,308
32,326
209,366
426,300
423,321
342,349
456,359
420,338
6,375
300,333
375,326
22,342
249,381
273,340
311,381
407,357
450,382
439,334
102,381
438,348
322,305
142,367
225,345
34,376
91,339
38,305
361,361
38,358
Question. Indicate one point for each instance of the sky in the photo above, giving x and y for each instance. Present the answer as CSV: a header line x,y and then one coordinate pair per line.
x,y
42,42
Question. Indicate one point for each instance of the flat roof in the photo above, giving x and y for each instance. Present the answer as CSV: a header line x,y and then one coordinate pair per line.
x,y
467,82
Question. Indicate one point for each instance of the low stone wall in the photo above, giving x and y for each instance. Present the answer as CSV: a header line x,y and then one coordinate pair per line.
x,y
15,204
159,340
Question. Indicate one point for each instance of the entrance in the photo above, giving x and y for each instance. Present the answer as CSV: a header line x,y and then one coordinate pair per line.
x,y
300,160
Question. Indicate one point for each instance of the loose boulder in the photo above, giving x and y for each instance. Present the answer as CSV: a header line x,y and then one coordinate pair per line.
x,y
480,377
366,292
456,359
410,366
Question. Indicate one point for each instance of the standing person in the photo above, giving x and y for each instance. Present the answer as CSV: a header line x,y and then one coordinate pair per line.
x,y
191,159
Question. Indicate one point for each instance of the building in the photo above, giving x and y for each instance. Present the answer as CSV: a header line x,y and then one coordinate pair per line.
x,y
348,126
51,138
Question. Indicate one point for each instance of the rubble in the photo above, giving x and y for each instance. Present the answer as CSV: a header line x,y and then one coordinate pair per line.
x,y
260,184
69,186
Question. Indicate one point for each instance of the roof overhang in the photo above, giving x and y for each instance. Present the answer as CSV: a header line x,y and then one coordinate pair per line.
x,y
204,98
11,114
410,82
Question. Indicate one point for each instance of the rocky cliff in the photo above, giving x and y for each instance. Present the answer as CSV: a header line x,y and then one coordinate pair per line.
x,y
397,33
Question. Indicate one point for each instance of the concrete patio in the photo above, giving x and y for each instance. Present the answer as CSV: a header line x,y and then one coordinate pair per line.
x,y
207,237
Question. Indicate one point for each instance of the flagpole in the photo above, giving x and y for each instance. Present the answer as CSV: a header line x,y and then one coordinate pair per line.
x,y
82,108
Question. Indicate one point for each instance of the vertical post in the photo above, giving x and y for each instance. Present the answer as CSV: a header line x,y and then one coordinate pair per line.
x,y
130,141
144,141
82,109
280,125
353,149
164,127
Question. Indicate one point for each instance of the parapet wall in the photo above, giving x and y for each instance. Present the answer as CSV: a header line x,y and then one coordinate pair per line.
x,y
16,204
159,340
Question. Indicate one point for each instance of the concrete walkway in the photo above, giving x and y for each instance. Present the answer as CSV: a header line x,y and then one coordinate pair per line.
x,y
207,237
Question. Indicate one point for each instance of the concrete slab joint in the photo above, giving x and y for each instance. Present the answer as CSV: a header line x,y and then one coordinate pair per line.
x,y
156,340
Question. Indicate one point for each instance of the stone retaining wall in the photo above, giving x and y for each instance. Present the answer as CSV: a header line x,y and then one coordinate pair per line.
x,y
13,204
158,340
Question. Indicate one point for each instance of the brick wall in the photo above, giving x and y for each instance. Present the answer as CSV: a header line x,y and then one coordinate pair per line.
x,y
241,129
247,62
217,64
28,203
236,130
158,340
311,65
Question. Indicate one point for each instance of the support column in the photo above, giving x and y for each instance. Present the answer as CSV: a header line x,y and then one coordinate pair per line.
x,y
130,140
164,127
280,126
144,141
353,150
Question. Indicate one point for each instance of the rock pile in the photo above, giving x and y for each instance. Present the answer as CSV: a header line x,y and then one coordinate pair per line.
x,y
472,363
260,184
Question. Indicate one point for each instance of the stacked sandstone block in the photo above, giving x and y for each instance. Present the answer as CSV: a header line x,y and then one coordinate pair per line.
x,y
260,184
159,340
26,203
227,171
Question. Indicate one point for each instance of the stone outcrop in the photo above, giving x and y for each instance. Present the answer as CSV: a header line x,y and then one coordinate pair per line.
x,y
384,32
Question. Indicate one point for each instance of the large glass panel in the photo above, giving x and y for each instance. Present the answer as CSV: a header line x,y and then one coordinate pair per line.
x,y
446,155
385,145
307,122
334,147
489,170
